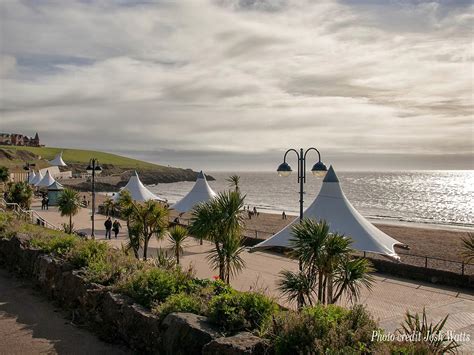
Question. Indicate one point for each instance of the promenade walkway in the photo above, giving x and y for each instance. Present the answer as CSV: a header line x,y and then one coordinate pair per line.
x,y
388,300
30,324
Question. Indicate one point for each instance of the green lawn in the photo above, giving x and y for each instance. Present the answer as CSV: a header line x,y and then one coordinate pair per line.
x,y
83,156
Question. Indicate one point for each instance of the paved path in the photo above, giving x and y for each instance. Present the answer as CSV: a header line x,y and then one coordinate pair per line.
x,y
388,300
29,324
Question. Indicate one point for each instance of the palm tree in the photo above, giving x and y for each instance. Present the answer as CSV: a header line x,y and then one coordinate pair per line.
x,y
4,175
234,181
203,222
177,236
308,243
351,276
135,240
110,207
153,218
337,250
468,244
228,257
220,220
20,193
296,286
69,204
326,261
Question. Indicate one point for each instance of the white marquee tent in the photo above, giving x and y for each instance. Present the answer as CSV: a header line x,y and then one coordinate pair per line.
x,y
138,191
37,179
46,180
332,205
58,160
201,192
32,177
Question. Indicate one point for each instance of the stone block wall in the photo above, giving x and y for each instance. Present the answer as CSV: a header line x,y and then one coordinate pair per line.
x,y
115,317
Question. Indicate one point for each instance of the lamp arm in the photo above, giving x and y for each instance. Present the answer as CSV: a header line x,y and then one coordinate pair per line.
x,y
317,151
290,150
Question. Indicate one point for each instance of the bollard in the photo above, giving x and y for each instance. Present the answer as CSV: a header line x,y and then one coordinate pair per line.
x,y
426,262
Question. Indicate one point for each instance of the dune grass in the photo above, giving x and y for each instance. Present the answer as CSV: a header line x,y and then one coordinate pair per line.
x,y
83,156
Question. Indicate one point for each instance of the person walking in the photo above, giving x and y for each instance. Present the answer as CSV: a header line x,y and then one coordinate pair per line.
x,y
46,202
108,228
116,227
283,215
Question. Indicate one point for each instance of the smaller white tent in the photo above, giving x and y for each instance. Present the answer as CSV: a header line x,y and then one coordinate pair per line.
x,y
138,191
32,177
46,181
201,192
58,160
333,206
37,179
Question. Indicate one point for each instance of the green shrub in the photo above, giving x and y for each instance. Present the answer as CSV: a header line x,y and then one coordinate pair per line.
x,y
179,302
87,251
323,329
59,245
112,267
235,311
153,285
8,225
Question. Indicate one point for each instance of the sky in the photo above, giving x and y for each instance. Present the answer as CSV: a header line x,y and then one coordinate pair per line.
x,y
233,84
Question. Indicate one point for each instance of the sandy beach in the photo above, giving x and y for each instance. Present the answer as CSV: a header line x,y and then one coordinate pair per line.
x,y
432,241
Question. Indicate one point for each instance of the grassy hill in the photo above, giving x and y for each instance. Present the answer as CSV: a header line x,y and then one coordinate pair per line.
x,y
116,169
79,156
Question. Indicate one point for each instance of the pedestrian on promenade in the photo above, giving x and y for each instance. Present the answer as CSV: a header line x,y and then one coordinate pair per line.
x,y
283,215
108,228
116,227
46,202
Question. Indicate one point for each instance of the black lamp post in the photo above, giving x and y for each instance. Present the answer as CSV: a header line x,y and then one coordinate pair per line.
x,y
285,170
318,169
92,169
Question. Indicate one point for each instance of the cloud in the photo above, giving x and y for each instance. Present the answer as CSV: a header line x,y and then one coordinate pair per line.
x,y
247,77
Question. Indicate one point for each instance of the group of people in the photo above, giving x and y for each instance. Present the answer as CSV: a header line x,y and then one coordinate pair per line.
x,y
112,226
252,212
45,202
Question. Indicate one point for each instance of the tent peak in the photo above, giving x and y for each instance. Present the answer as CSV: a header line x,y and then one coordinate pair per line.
x,y
201,175
331,176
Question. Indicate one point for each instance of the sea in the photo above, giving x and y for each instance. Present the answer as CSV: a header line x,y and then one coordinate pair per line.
x,y
443,198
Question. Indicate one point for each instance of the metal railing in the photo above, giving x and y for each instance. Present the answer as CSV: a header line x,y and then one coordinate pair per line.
x,y
429,262
30,215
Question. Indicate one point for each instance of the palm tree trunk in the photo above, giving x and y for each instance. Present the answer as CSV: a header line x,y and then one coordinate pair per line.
x,y
329,289
145,247
320,286
227,272
221,262
324,289
338,295
177,254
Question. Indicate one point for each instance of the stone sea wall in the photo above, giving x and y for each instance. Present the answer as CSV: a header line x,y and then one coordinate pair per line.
x,y
115,317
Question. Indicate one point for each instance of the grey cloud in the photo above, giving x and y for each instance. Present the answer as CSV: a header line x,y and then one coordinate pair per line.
x,y
256,5
233,83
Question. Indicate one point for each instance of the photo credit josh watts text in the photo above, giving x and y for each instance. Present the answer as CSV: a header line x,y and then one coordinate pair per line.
x,y
459,337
